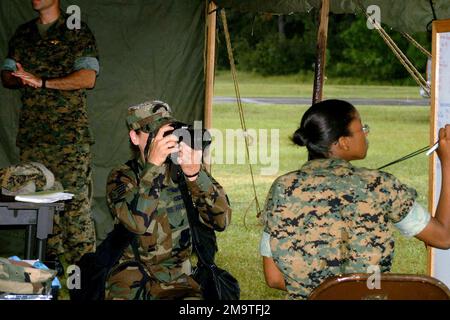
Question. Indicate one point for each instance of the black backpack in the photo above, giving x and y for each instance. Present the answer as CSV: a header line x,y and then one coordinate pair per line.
x,y
95,267
216,283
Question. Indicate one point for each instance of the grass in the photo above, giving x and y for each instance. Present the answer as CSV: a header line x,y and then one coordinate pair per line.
x,y
302,86
395,131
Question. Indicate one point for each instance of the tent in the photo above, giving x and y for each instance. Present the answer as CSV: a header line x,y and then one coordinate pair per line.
x,y
148,50
159,49
404,15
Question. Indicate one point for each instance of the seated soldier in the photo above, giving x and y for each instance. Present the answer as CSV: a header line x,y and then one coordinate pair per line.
x,y
331,218
143,196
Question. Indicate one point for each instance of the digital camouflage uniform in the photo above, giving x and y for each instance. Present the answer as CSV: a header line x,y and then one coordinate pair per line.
x,y
53,126
153,208
331,218
28,177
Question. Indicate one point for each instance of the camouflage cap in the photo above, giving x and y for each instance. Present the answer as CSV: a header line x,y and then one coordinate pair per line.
x,y
149,116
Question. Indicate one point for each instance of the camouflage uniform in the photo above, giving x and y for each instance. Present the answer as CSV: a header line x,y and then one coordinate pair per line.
x,y
18,277
331,218
53,125
151,205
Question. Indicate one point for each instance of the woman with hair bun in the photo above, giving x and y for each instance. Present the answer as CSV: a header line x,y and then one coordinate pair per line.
x,y
331,218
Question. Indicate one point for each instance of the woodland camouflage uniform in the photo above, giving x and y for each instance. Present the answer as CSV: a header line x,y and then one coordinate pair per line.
x,y
150,204
53,126
331,218
18,277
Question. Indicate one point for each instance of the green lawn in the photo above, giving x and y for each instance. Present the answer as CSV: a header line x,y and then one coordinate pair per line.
x,y
301,86
395,131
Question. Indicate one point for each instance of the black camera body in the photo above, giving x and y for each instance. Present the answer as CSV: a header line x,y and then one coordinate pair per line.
x,y
197,139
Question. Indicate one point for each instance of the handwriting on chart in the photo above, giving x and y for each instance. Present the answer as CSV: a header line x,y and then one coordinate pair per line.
x,y
444,68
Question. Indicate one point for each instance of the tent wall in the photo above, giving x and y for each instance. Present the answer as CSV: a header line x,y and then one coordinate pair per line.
x,y
148,50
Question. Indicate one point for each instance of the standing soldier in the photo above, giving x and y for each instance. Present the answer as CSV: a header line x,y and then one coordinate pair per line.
x,y
53,64
144,197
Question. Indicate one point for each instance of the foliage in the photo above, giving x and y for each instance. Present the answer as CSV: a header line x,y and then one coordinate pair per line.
x,y
280,45
366,54
269,59
261,47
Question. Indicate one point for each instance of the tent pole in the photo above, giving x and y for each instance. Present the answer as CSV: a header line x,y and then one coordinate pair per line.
x,y
210,66
321,51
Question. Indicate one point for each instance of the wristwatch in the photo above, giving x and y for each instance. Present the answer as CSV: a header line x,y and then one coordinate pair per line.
x,y
44,82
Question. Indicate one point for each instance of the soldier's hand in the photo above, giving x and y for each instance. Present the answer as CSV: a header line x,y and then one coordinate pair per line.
x,y
161,147
27,78
190,160
444,146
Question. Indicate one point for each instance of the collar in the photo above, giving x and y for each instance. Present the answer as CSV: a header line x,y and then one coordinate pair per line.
x,y
60,22
328,164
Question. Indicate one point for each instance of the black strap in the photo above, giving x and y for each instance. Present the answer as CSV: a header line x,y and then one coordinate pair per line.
x,y
194,221
408,156
134,166
147,146
141,293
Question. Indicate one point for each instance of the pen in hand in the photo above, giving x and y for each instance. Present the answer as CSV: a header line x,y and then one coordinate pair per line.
x,y
433,148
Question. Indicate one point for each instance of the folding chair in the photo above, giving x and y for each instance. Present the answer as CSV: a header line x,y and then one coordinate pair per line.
x,y
356,286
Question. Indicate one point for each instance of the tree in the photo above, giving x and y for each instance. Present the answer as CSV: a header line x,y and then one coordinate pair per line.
x,y
276,45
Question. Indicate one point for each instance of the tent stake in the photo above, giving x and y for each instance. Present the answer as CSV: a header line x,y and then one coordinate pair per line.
x,y
321,51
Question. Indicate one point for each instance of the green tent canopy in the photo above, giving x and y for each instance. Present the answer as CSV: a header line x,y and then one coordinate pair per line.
x,y
403,15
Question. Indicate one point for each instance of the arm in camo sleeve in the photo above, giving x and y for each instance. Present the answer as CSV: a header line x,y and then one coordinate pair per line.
x,y
211,201
133,202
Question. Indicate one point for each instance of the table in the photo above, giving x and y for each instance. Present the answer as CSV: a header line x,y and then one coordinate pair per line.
x,y
38,219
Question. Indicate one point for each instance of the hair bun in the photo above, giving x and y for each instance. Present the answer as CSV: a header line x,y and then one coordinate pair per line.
x,y
299,138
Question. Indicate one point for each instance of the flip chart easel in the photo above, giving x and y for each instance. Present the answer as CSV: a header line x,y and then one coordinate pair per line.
x,y
439,260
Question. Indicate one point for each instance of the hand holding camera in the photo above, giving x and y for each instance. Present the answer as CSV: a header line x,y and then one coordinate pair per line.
x,y
162,146
190,161
180,143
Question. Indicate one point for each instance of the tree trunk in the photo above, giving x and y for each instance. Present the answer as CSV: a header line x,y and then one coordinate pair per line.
x,y
281,24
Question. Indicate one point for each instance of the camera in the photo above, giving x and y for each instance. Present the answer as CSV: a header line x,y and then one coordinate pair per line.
x,y
195,138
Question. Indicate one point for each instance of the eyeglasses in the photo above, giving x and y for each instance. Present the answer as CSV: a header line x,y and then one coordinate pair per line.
x,y
366,128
